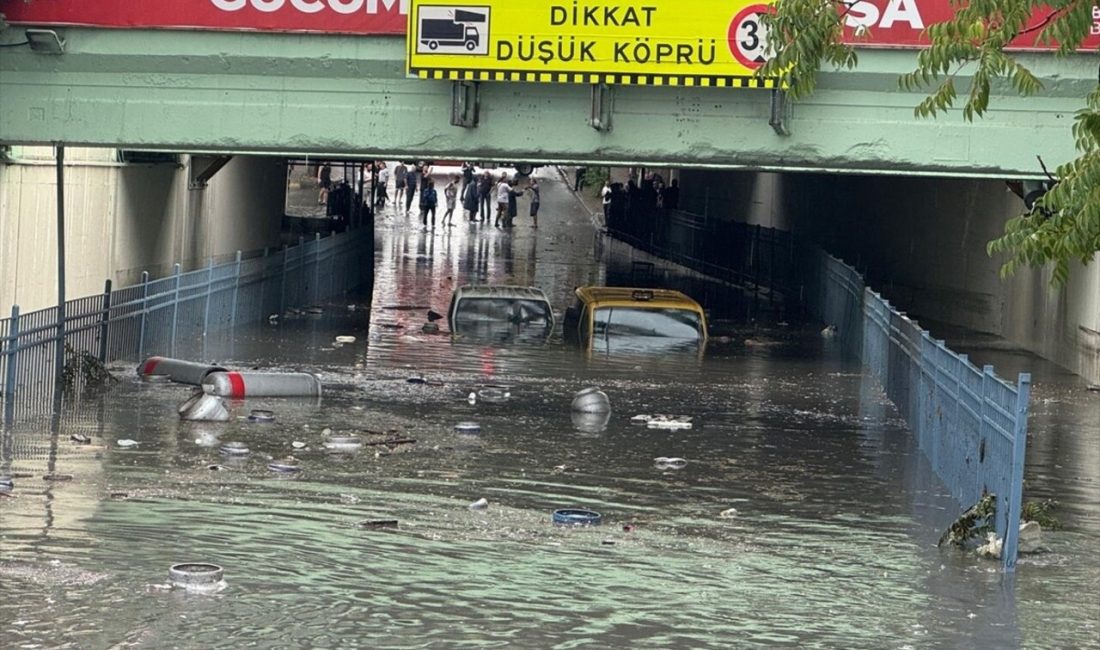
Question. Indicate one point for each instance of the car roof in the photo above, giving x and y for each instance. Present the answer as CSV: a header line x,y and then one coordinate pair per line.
x,y
623,296
500,291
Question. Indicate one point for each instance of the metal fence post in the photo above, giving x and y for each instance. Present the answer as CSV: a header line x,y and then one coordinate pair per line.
x,y
1019,451
236,290
316,268
144,312
282,284
10,351
175,309
209,290
104,322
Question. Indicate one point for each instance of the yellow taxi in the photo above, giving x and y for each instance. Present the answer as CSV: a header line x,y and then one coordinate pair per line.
x,y
627,319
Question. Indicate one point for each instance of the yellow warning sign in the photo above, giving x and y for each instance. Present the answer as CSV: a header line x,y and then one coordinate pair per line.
x,y
653,42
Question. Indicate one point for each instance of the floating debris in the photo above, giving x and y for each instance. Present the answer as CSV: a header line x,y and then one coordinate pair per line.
x,y
728,513
377,523
234,449
345,339
577,517
287,466
660,421
480,504
430,328
126,443
261,416
80,439
467,427
57,477
665,462
298,445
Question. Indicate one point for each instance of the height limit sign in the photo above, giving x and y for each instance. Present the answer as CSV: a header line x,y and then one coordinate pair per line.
x,y
748,38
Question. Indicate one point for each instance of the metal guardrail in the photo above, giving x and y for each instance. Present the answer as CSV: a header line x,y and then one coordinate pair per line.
x,y
968,422
170,316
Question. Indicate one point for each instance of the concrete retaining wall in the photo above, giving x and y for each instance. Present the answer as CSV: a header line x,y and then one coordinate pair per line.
x,y
921,241
123,218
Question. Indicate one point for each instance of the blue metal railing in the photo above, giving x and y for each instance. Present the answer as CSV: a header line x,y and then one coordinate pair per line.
x,y
172,315
971,424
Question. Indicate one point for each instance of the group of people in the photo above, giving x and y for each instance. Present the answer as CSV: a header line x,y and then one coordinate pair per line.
x,y
476,193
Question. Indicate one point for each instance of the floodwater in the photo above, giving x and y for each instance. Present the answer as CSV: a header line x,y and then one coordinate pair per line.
x,y
833,544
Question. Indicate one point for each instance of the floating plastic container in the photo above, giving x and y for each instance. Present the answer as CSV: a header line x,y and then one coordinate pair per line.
x,y
590,422
177,370
494,395
234,449
577,517
261,416
468,428
591,400
262,384
196,576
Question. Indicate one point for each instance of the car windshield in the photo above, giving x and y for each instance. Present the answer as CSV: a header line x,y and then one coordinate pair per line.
x,y
502,319
641,329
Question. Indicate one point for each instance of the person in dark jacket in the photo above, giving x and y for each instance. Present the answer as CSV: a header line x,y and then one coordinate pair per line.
x,y
428,200
470,200
411,180
485,194
670,196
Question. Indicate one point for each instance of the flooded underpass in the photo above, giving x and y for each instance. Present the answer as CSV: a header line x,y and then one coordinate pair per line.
x,y
804,517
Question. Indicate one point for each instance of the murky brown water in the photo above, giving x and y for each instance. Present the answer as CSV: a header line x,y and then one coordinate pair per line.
x,y
832,546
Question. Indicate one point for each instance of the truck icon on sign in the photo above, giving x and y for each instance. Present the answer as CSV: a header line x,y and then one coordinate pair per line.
x,y
453,30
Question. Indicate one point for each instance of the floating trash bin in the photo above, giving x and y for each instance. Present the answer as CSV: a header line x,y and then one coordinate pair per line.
x,y
177,370
203,408
467,427
591,400
262,384
234,449
287,466
261,416
577,517
197,576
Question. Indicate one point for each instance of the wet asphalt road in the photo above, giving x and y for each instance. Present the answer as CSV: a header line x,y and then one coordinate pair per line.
x,y
832,544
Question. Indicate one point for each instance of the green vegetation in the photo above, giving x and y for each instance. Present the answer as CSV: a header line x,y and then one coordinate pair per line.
x,y
83,370
975,523
1063,225
1040,512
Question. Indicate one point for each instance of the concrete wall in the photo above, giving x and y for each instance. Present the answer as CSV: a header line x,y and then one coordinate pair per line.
x,y
122,219
922,242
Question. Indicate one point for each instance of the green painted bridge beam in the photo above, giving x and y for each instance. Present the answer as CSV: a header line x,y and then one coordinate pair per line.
x,y
348,95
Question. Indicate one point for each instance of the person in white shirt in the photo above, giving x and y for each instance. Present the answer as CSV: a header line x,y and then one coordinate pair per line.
x,y
504,189
605,194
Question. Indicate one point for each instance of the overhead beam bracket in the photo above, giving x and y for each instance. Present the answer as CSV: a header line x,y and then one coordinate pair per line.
x,y
203,169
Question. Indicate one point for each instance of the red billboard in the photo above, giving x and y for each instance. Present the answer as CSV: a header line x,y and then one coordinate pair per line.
x,y
901,24
868,23
325,16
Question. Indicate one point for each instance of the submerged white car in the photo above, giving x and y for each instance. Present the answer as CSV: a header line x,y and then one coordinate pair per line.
x,y
500,313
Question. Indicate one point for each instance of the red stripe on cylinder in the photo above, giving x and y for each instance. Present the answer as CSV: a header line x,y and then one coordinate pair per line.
x,y
236,381
151,365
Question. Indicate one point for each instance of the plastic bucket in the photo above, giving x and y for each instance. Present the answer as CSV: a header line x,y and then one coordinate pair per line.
x,y
591,400
197,576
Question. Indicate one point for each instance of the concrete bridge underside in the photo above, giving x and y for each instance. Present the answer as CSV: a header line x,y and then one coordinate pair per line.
x,y
293,94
